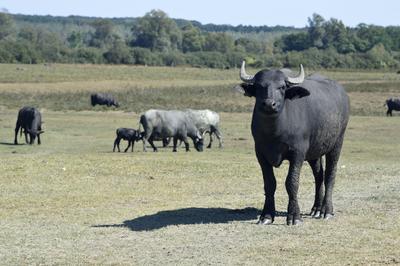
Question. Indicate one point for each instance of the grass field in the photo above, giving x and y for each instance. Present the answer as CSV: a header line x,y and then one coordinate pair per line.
x,y
72,200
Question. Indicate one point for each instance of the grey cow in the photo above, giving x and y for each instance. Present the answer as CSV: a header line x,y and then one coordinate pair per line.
x,y
206,121
30,122
392,104
161,124
297,119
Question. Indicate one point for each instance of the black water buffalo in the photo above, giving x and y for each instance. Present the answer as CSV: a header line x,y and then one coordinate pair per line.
x,y
30,121
103,99
206,121
297,119
129,134
161,124
392,104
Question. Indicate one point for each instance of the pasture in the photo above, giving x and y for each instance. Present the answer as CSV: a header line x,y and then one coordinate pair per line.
x,y
72,200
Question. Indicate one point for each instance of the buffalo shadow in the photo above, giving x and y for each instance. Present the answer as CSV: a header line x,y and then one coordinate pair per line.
x,y
187,216
11,143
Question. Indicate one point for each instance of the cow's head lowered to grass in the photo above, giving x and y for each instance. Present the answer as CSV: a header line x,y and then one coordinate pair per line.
x,y
272,87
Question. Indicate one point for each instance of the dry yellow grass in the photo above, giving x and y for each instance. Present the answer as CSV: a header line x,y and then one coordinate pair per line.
x,y
73,201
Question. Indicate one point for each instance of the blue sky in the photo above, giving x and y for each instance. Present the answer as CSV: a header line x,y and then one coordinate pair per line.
x,y
246,12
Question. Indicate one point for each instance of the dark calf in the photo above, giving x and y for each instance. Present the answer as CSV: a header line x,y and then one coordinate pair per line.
x,y
30,121
129,134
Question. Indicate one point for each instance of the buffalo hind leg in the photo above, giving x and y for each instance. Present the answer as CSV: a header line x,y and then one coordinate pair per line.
x,y
218,134
17,127
268,213
116,144
332,159
318,172
26,137
389,112
211,140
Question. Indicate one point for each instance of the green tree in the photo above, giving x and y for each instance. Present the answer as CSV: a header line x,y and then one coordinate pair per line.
x,y
75,39
316,30
218,42
104,33
6,25
157,32
338,36
119,53
192,40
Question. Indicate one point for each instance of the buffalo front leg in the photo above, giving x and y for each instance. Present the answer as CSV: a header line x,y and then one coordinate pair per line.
x,y
268,213
127,148
152,144
318,172
174,142
292,188
185,140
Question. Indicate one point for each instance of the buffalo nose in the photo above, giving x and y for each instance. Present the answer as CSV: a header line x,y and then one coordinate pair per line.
x,y
270,105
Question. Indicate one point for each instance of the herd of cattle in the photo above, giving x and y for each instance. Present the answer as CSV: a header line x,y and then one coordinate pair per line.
x,y
295,118
157,125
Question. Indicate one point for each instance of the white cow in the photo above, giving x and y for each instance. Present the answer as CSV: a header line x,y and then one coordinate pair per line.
x,y
206,121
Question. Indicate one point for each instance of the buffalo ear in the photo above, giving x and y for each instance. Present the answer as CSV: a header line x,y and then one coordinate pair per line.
x,y
296,92
247,89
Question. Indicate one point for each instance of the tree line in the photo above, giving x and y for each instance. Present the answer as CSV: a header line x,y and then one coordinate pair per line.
x,y
156,39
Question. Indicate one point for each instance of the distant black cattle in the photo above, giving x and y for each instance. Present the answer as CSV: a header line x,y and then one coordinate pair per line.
x,y
103,99
30,121
129,134
392,104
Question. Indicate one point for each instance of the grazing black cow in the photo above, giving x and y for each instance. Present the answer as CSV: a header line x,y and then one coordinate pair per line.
x,y
392,104
129,134
297,119
30,121
103,99
160,124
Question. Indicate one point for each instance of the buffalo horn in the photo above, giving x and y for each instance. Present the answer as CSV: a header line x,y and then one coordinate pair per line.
x,y
244,76
299,78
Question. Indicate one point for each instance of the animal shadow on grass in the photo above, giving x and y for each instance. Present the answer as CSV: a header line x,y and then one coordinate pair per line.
x,y
187,216
11,143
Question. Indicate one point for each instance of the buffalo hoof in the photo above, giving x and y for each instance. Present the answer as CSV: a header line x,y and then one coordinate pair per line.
x,y
316,214
265,221
173,150
328,216
294,222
